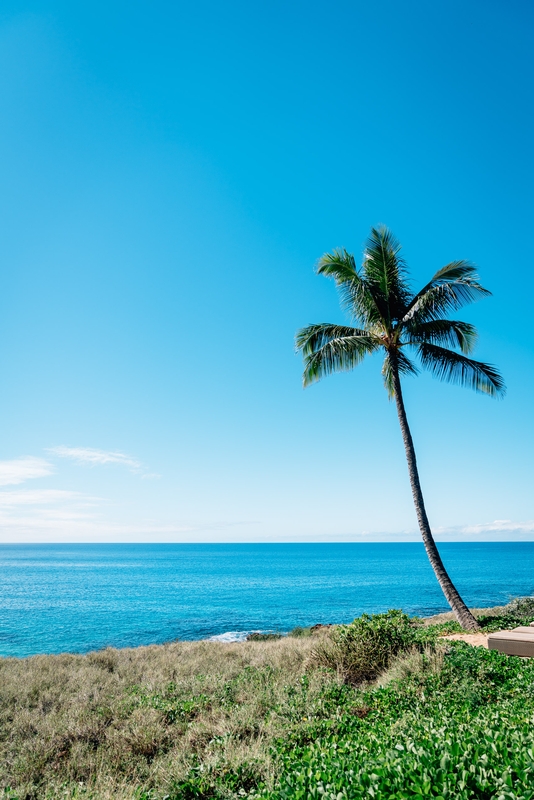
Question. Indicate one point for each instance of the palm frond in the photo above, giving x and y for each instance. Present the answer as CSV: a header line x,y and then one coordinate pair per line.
x,y
313,337
447,332
404,365
385,273
456,368
339,264
452,287
356,299
386,315
460,270
330,348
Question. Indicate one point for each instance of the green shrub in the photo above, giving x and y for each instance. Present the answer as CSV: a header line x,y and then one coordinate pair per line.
x,y
519,611
444,628
453,760
360,651
522,608
210,784
173,706
299,632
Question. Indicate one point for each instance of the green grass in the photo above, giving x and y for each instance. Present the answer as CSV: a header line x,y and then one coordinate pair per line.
x,y
272,719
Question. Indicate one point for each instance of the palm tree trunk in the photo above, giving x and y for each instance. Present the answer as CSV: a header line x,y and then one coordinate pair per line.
x,y
462,613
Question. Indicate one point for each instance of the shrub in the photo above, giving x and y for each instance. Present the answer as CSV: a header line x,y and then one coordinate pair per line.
x,y
299,632
487,757
519,611
521,607
362,650
445,628
227,781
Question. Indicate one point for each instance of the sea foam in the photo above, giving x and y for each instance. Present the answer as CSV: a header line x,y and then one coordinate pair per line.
x,y
229,636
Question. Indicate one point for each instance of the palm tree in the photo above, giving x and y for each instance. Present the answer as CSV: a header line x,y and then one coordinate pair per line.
x,y
391,319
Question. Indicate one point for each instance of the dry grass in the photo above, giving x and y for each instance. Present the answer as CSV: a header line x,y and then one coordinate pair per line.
x,y
414,663
109,723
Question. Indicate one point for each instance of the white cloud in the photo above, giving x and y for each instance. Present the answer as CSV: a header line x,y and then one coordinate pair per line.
x,y
47,511
22,469
500,525
55,515
71,517
36,497
88,455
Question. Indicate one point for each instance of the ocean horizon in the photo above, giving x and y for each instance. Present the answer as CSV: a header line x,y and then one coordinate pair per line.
x,y
82,597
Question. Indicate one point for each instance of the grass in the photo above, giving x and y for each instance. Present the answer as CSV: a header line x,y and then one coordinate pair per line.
x,y
103,724
275,718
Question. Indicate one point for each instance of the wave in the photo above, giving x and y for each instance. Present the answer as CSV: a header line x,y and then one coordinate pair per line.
x,y
229,636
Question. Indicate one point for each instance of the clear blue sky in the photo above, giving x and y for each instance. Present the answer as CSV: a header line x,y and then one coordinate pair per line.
x,y
170,174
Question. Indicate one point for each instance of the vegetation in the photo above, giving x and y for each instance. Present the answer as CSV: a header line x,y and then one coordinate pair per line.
x,y
392,320
297,717
457,725
518,612
361,651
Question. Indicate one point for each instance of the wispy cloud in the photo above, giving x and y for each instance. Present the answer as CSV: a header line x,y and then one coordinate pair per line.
x,y
93,457
499,525
37,497
22,469
45,513
55,516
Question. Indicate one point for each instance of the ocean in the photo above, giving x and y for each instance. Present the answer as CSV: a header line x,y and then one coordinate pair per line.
x,y
80,597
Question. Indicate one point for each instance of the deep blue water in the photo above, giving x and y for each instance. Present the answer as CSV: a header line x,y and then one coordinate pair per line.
x,y
56,598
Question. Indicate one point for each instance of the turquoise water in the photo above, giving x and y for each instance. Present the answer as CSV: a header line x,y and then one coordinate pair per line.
x,y
75,598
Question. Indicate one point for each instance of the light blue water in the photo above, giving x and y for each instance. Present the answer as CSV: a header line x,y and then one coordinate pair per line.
x,y
56,598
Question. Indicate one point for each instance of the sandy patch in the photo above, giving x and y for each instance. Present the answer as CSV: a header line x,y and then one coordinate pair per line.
x,y
476,639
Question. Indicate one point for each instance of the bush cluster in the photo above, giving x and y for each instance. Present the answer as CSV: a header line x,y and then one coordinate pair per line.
x,y
360,651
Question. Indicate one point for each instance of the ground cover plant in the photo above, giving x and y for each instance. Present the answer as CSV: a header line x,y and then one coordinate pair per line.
x,y
274,719
113,722
461,729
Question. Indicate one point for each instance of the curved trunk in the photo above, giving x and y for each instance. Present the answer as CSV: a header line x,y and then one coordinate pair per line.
x,y
463,615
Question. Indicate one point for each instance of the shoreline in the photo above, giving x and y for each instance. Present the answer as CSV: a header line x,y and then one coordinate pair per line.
x,y
78,600
246,637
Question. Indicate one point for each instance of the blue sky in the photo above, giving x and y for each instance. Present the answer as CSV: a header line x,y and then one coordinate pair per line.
x,y
171,173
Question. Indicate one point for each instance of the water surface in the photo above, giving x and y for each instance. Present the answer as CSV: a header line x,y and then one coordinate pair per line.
x,y
76,598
